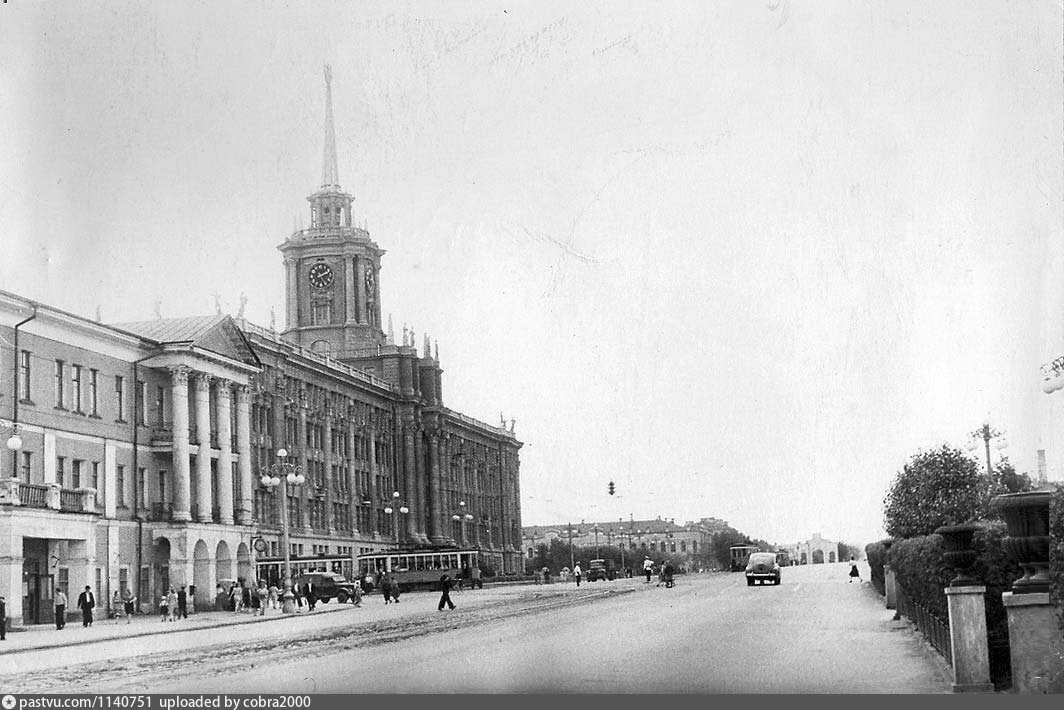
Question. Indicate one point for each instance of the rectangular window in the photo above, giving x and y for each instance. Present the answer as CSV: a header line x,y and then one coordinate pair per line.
x,y
142,485
96,476
162,486
75,387
120,397
27,459
120,485
24,376
60,474
142,403
94,402
123,580
75,474
62,581
60,378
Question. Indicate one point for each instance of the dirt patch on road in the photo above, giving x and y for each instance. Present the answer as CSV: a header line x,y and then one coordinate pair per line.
x,y
220,656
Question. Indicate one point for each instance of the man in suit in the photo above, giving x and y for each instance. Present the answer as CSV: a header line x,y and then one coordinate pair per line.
x,y
86,602
60,609
3,619
182,603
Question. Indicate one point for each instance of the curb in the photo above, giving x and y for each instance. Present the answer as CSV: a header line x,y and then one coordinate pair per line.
x,y
159,632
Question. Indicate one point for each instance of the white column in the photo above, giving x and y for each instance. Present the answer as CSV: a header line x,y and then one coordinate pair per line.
x,y
202,393
11,561
179,405
243,452
225,455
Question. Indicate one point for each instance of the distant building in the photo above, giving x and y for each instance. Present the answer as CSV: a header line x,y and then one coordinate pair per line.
x,y
639,537
813,551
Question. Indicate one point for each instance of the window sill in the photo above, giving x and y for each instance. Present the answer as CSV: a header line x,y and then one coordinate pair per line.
x,y
29,402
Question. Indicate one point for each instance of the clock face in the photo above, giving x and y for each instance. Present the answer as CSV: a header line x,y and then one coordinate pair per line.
x,y
320,275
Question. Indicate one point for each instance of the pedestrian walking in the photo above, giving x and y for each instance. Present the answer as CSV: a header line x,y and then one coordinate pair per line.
x,y
164,607
578,573
182,603
854,573
668,574
86,602
386,589
264,597
116,604
238,597
245,596
272,596
3,618
475,580
128,604
312,596
394,587
171,603
445,590
356,592
648,568
661,575
60,609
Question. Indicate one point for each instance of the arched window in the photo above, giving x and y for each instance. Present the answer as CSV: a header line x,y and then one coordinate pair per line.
x,y
322,347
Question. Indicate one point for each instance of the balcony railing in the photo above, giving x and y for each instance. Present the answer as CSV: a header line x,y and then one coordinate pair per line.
x,y
32,495
161,512
51,496
70,501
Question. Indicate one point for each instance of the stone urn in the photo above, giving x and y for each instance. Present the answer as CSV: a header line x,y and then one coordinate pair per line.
x,y
1027,519
960,555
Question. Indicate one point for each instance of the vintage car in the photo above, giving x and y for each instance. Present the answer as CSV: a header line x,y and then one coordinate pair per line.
x,y
762,567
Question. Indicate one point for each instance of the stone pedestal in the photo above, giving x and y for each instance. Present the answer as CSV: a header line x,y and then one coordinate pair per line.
x,y
890,585
1035,643
967,631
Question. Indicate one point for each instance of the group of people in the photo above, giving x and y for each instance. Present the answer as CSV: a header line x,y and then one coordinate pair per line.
x,y
86,603
666,572
174,604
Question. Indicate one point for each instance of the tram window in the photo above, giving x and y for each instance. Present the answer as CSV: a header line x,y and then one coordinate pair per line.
x,y
419,563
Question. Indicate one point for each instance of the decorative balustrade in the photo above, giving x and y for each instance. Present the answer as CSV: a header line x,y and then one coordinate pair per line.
x,y
70,501
32,495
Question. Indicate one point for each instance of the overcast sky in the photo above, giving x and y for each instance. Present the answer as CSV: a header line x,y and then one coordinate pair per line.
x,y
743,259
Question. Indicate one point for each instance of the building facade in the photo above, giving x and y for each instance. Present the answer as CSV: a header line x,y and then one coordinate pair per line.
x,y
135,451
682,543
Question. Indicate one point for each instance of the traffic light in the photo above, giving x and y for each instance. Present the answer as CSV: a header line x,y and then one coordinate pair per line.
x,y
611,488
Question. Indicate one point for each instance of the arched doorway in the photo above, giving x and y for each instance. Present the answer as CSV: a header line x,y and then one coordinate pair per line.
x,y
818,557
243,564
805,559
223,564
831,557
160,570
201,572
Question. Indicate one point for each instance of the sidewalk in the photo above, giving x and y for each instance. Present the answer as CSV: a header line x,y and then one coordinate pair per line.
x,y
44,636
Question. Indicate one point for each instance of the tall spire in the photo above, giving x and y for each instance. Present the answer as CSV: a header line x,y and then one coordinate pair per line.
x,y
329,173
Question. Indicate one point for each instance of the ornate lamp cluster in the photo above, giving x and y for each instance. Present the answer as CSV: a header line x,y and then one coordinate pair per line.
x,y
271,476
1053,375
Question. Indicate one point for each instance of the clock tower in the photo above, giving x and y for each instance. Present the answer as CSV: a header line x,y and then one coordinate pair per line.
x,y
332,287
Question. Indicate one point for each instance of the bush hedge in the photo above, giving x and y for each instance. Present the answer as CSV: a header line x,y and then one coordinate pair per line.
x,y
1056,552
921,572
876,554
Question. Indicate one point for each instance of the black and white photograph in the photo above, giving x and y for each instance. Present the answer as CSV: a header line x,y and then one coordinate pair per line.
x,y
420,347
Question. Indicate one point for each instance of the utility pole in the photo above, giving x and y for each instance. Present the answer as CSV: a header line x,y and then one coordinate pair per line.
x,y
572,559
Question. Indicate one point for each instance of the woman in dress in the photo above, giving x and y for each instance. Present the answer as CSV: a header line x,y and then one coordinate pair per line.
x,y
854,573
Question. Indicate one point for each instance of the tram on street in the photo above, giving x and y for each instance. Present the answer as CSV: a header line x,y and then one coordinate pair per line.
x,y
272,569
739,554
415,569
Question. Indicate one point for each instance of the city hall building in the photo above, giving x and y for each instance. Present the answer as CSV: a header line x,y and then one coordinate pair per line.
x,y
134,452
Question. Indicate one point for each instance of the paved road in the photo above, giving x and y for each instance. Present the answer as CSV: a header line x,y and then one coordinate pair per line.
x,y
815,633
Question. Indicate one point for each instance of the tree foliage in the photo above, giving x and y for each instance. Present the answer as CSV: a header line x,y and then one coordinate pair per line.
x,y
936,488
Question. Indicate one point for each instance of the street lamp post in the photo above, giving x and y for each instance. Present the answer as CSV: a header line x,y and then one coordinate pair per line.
x,y
14,443
280,475
986,433
461,517
395,507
